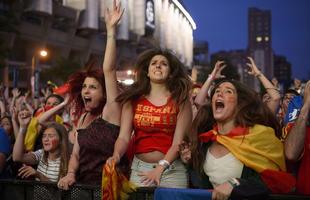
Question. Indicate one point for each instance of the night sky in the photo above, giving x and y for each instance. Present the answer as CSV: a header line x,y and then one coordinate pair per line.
x,y
223,23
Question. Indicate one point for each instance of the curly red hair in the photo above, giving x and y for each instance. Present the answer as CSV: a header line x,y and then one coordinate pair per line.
x,y
76,81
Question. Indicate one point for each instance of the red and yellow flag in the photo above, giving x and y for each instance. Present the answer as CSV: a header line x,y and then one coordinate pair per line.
x,y
115,185
258,148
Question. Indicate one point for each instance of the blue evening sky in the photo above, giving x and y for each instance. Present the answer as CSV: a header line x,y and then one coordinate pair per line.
x,y
223,23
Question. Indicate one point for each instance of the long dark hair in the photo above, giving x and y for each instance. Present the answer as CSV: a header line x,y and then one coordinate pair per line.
x,y
178,82
203,122
250,111
250,108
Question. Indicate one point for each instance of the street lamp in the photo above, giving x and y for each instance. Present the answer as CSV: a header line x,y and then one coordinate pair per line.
x,y
35,73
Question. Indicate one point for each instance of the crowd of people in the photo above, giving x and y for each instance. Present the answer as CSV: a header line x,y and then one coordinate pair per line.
x,y
227,137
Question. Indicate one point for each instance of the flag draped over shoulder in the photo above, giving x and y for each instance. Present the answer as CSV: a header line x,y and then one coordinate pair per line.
x,y
258,148
115,185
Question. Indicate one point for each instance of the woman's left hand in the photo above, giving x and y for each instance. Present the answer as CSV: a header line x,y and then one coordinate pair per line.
x,y
112,17
222,192
151,177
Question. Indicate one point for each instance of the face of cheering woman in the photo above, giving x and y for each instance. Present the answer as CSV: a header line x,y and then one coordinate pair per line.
x,y
224,102
91,93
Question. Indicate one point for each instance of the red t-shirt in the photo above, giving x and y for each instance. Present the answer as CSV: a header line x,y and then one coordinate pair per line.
x,y
154,126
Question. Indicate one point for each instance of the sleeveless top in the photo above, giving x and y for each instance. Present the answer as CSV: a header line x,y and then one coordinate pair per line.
x,y
219,170
96,145
154,126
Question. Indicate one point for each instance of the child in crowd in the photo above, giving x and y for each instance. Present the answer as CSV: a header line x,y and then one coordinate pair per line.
x,y
52,159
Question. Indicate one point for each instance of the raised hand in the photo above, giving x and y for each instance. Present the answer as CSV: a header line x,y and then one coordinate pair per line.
x,y
253,70
46,92
307,94
24,118
2,107
15,93
66,99
112,17
217,71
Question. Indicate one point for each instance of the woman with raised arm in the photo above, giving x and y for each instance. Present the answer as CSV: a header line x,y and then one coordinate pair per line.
x,y
272,97
202,95
157,109
234,146
94,94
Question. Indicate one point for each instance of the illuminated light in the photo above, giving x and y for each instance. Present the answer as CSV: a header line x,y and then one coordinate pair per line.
x,y
129,72
128,81
266,38
187,15
43,53
259,39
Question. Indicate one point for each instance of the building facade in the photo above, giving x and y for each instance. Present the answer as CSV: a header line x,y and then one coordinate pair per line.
x,y
282,71
260,41
74,29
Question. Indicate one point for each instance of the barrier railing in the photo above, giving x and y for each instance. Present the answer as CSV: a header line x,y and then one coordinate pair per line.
x,y
34,190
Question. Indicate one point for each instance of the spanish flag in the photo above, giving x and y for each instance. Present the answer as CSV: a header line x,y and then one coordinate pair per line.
x,y
114,184
258,148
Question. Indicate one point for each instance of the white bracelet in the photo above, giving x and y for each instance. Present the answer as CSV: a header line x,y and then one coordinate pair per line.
x,y
233,182
164,163
22,130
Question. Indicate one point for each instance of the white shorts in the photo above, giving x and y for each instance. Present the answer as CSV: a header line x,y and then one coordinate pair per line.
x,y
174,177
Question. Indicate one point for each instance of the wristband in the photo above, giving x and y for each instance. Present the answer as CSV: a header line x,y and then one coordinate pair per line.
x,y
233,182
164,163
22,130
210,77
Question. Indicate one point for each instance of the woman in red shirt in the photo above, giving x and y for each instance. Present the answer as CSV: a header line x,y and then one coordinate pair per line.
x,y
158,110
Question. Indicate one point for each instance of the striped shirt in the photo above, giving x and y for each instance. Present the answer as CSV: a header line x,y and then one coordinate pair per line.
x,y
49,169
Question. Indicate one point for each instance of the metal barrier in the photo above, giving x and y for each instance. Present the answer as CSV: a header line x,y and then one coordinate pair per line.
x,y
34,190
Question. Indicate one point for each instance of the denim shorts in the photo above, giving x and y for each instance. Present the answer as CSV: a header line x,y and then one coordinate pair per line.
x,y
174,177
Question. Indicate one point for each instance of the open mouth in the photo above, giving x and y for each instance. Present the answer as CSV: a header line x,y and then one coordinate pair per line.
x,y
219,106
87,100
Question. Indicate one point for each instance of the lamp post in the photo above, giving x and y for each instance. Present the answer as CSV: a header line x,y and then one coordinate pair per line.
x,y
35,73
